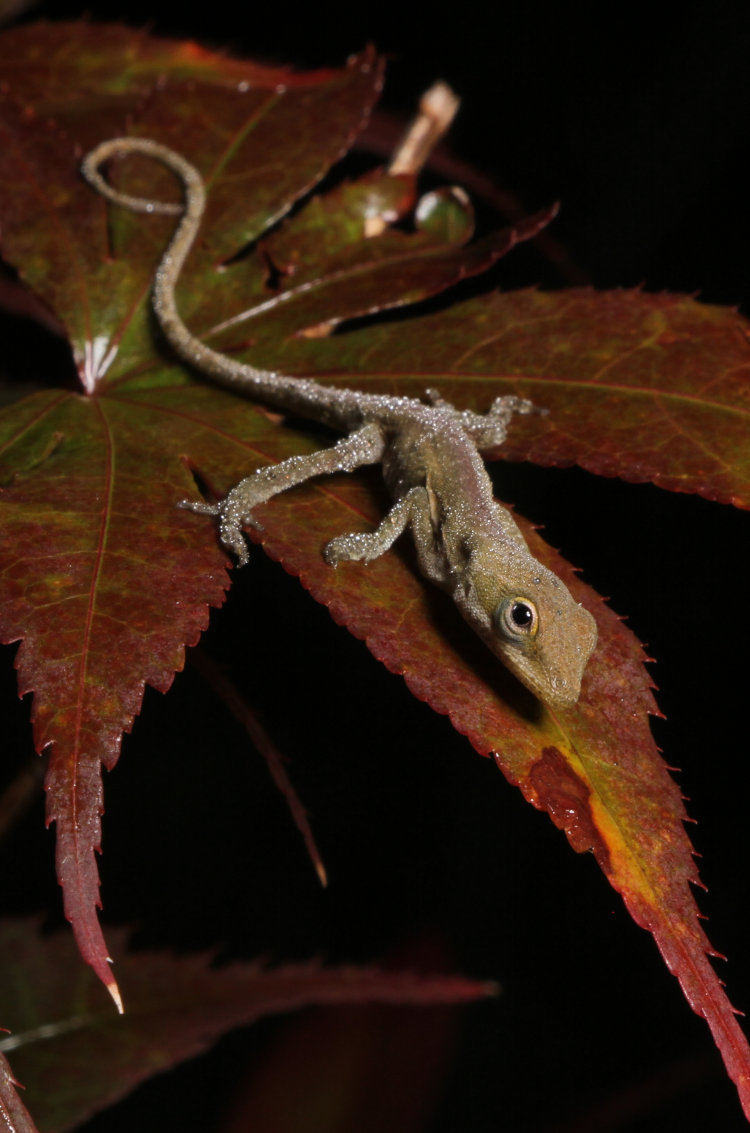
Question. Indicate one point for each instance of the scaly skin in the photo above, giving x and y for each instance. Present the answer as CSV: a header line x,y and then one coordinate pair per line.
x,y
466,542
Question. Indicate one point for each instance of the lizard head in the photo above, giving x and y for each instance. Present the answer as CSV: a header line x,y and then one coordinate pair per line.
x,y
530,620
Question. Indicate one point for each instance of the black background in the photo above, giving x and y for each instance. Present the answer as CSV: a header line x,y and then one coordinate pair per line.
x,y
638,121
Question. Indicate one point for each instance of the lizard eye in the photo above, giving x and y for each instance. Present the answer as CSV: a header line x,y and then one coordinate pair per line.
x,y
518,617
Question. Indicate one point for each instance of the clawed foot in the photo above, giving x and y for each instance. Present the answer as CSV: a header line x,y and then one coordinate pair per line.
x,y
358,546
507,405
200,507
231,523
487,430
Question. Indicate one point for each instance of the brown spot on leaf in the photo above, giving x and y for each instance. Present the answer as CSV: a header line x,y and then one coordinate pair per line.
x,y
565,797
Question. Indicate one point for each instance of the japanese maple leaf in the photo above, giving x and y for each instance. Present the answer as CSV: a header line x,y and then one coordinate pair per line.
x,y
104,579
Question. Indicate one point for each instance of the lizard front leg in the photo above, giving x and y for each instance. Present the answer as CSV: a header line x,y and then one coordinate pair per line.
x,y
413,510
235,510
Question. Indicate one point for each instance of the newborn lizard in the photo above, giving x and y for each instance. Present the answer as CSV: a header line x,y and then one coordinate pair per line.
x,y
466,542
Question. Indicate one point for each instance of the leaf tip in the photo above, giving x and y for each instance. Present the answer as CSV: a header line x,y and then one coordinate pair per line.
x,y
114,991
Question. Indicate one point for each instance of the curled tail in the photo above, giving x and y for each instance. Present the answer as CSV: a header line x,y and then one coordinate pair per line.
x,y
281,390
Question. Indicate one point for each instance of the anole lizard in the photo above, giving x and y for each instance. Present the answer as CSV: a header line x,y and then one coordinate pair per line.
x,y
466,542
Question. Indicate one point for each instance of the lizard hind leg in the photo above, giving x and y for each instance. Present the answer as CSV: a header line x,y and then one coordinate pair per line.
x,y
487,430
235,510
